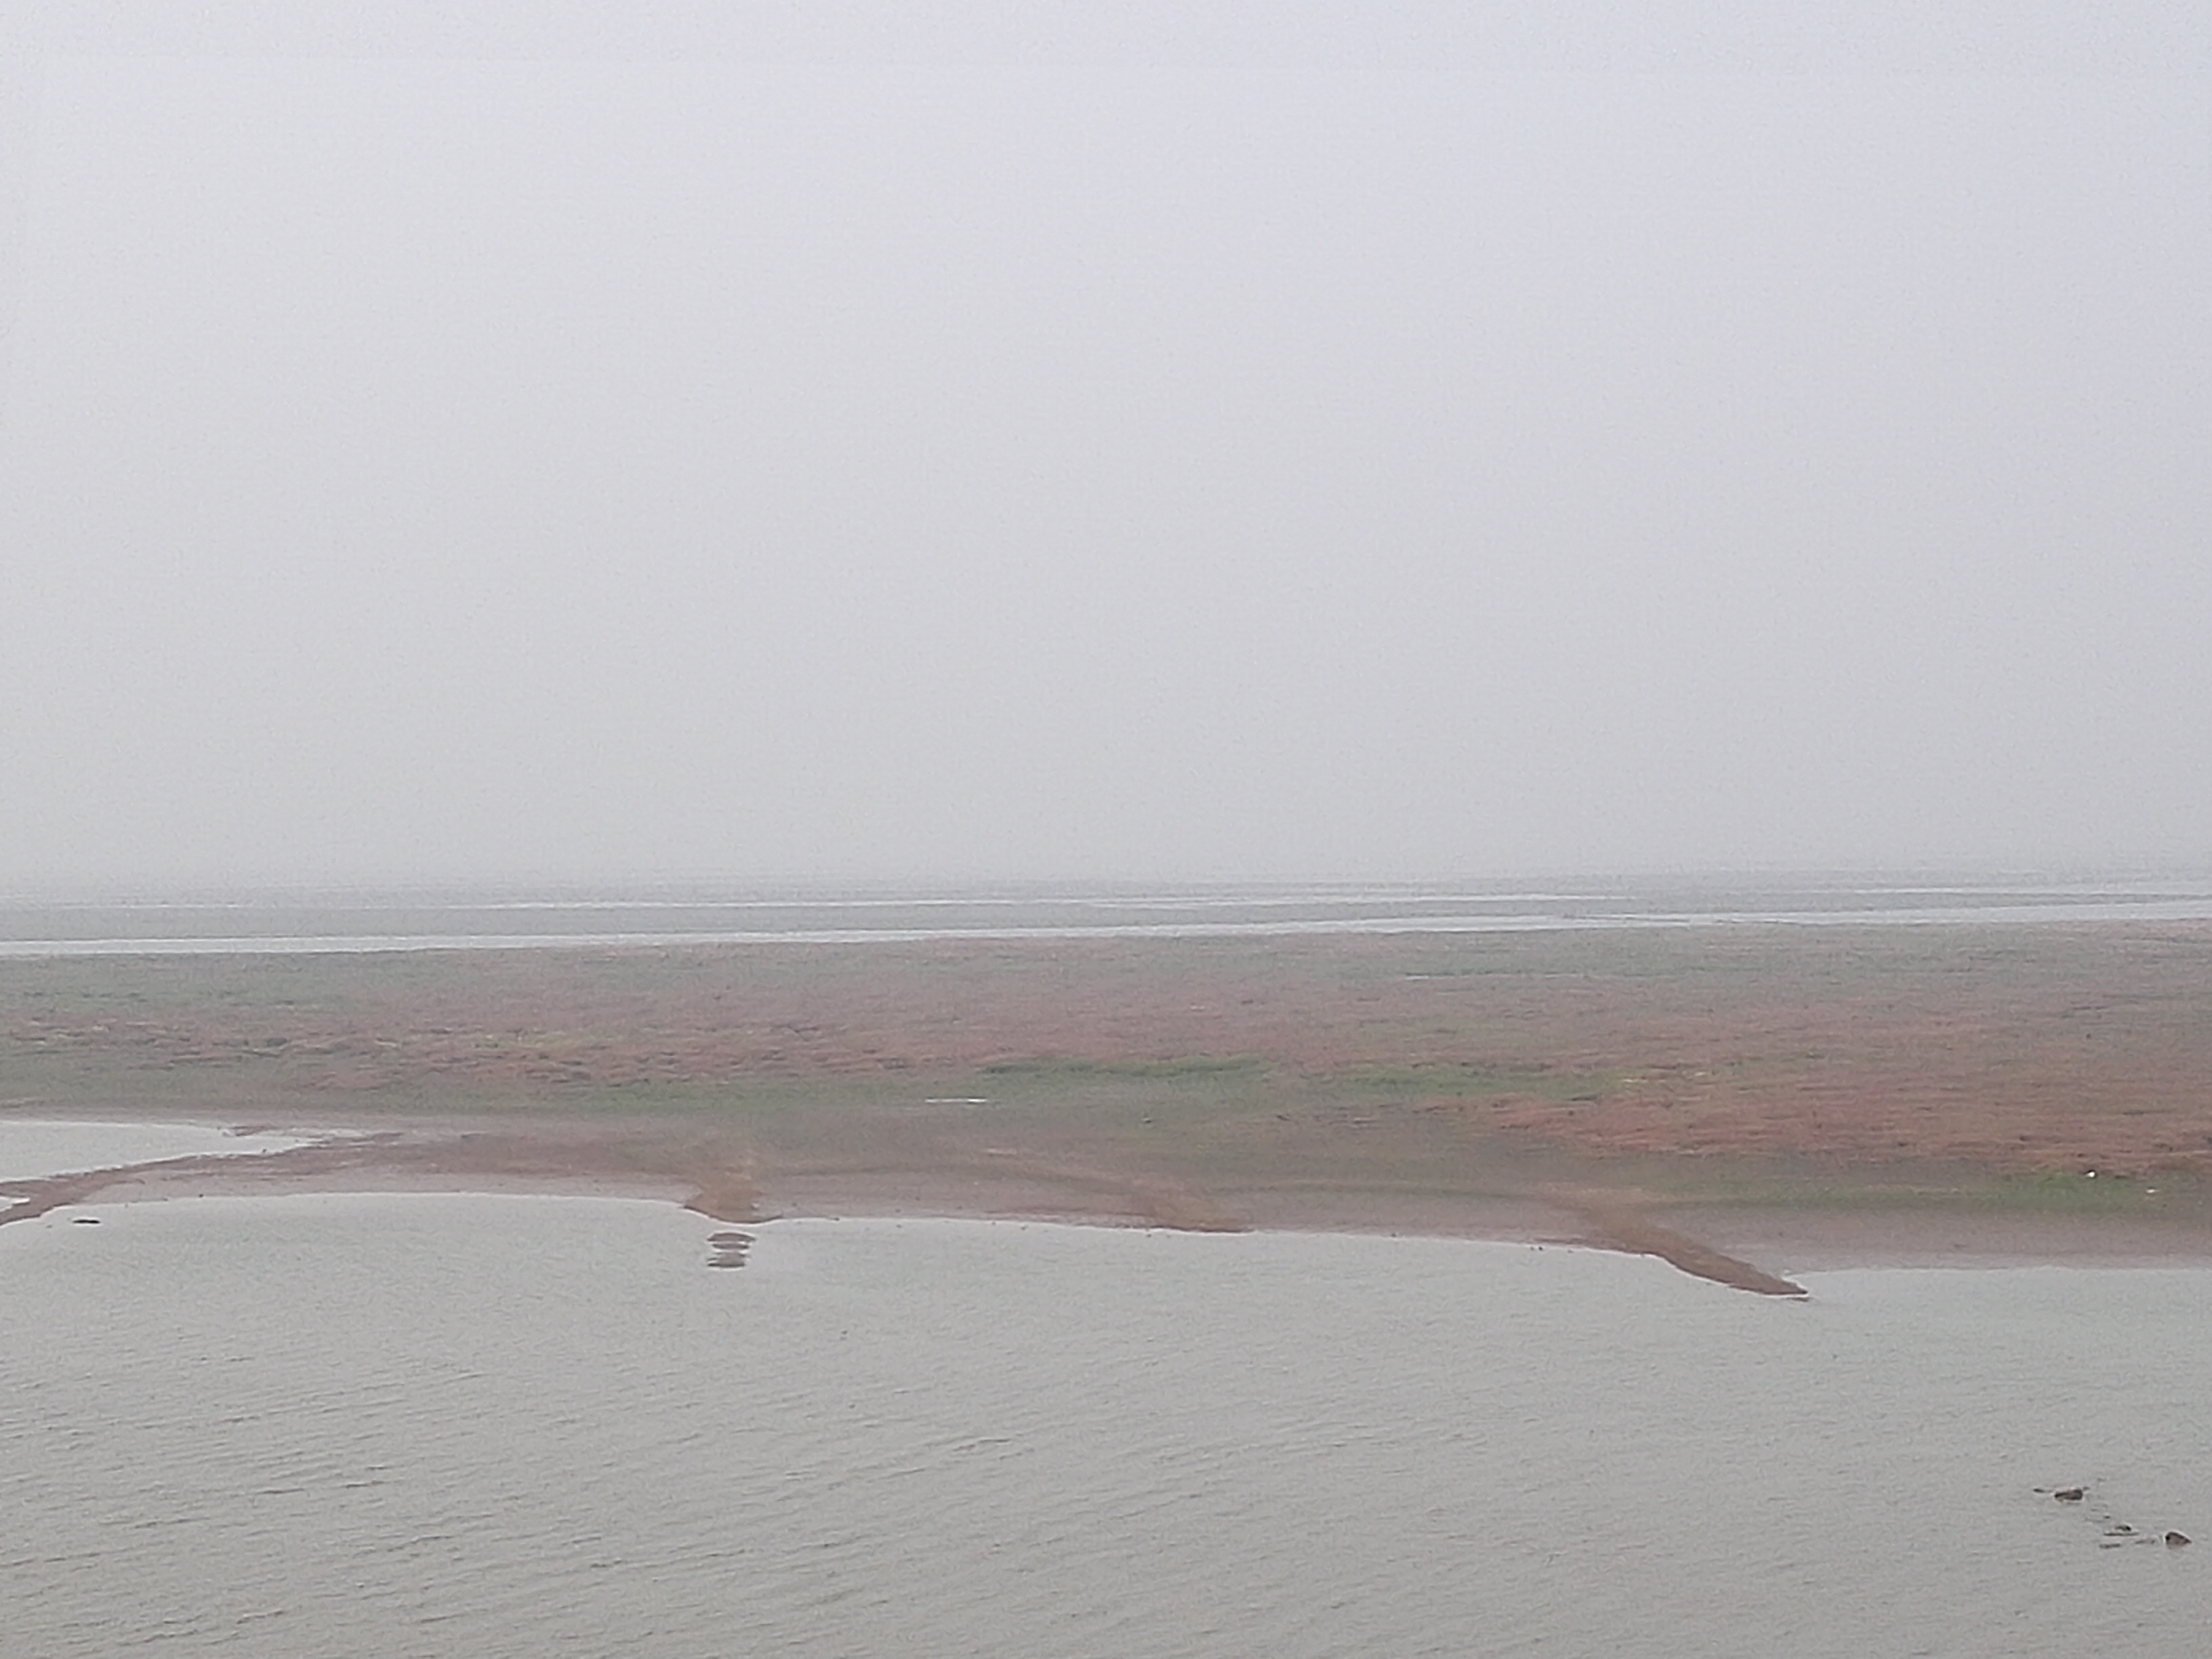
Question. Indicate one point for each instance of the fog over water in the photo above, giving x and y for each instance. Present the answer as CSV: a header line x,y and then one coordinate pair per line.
x,y
950,443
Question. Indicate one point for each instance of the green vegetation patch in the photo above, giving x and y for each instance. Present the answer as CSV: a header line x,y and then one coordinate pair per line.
x,y
2050,1193
1457,1077
1050,1067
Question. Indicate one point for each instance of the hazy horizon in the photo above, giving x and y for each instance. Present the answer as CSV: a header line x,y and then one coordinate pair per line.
x,y
947,445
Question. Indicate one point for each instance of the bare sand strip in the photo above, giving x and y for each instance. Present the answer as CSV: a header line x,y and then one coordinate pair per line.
x,y
387,1162
707,1178
712,1177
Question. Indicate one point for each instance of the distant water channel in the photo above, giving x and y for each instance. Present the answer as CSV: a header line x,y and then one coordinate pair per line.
x,y
264,923
437,1425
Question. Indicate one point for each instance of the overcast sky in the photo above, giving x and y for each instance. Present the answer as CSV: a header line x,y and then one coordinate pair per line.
x,y
961,443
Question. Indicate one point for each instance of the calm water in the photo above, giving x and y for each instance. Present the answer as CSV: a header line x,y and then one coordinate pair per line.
x,y
271,924
441,1426
31,1149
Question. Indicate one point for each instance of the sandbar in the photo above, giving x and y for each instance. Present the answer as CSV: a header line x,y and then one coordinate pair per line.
x,y
1746,1103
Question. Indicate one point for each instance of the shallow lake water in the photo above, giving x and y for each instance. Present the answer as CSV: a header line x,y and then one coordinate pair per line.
x,y
28,1149
493,1427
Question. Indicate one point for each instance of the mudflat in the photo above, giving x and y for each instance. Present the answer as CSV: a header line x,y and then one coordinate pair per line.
x,y
1717,1096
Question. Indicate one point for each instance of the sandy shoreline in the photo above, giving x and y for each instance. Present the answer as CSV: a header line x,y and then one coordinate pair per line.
x,y
1750,1247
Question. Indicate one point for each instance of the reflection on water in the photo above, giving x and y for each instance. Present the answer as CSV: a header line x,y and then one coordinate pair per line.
x,y
354,1426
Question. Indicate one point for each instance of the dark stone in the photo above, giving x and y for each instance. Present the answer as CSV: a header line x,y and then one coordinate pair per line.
x,y
2069,1494
85,1220
2176,1540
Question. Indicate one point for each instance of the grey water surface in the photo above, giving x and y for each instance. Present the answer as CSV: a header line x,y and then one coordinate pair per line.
x,y
277,924
502,1427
